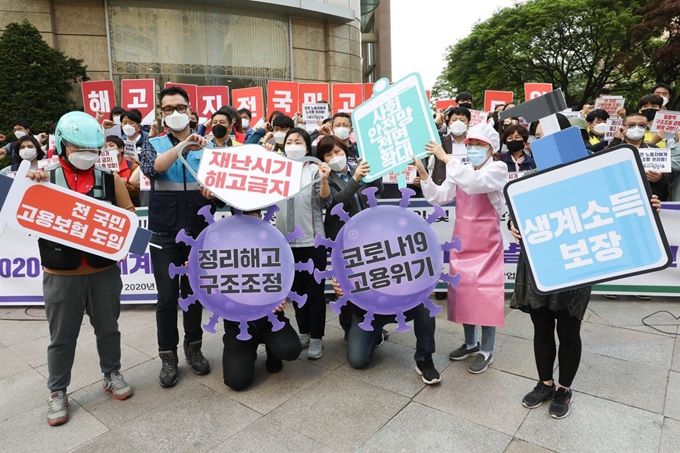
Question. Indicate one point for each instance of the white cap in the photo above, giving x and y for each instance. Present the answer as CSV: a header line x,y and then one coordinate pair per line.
x,y
485,133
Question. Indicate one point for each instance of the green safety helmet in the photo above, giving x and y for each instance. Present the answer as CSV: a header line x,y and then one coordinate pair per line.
x,y
80,130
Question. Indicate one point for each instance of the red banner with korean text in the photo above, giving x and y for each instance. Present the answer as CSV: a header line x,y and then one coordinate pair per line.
x,y
192,91
444,104
140,94
312,93
347,97
282,96
98,96
251,99
368,90
534,90
493,98
210,99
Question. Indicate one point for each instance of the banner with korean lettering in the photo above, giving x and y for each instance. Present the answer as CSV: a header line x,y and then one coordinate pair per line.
x,y
347,97
282,96
610,104
443,104
251,99
394,125
210,99
368,91
312,93
191,89
98,96
534,90
140,94
666,121
573,236
494,98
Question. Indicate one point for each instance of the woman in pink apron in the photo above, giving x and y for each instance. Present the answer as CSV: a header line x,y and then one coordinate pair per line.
x,y
477,189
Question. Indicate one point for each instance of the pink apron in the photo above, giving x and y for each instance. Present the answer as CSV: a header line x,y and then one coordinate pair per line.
x,y
479,298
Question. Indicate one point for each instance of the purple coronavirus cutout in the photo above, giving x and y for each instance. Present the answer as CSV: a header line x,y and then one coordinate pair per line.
x,y
241,268
387,259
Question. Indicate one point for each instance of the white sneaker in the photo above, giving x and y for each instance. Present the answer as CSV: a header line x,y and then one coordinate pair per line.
x,y
304,339
315,350
57,409
116,385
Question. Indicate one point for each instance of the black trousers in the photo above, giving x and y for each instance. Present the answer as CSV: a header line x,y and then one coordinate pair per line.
x,y
311,318
569,333
238,357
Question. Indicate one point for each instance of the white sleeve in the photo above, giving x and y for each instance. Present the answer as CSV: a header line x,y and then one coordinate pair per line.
x,y
440,195
490,178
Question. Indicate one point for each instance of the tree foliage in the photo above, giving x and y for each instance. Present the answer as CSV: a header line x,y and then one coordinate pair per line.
x,y
577,45
35,80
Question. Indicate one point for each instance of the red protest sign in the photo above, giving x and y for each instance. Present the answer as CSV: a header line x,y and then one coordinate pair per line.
x,y
493,98
312,93
429,95
368,90
140,94
282,96
444,104
347,97
534,90
251,99
98,96
192,91
210,99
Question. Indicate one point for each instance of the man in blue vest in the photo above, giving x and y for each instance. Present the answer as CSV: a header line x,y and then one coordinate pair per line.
x,y
174,201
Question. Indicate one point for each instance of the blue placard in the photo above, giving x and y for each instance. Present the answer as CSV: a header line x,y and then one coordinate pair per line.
x,y
393,125
589,221
559,148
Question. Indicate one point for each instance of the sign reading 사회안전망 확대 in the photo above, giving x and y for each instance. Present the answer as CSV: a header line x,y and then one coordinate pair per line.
x,y
394,125
602,230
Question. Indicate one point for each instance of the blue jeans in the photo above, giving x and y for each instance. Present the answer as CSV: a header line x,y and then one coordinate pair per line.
x,y
488,336
361,344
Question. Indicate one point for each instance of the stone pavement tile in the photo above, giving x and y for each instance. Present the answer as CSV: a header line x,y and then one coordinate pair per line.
x,y
266,435
105,443
519,446
13,333
515,355
339,411
149,395
334,350
672,408
86,368
22,392
133,319
623,313
4,311
11,363
518,324
198,422
29,432
491,399
668,331
630,383
143,340
419,428
675,365
34,313
670,438
626,344
33,352
393,368
267,391
595,425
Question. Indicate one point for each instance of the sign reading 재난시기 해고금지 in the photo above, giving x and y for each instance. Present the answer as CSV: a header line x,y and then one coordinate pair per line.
x,y
573,236
394,125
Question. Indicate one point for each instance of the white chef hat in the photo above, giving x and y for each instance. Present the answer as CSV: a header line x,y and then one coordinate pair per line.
x,y
486,133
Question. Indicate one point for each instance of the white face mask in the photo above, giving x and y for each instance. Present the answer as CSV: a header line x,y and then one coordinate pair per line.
x,y
83,160
665,100
129,130
279,137
112,150
116,119
296,151
457,128
177,121
636,133
29,153
338,163
341,132
600,128
245,123
19,134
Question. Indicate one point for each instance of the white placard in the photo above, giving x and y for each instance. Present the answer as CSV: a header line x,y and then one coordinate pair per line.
x,y
656,159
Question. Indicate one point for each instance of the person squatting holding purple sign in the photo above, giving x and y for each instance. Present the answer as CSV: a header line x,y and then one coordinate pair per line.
x,y
478,191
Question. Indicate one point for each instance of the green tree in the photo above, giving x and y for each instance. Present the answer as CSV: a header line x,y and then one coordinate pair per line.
x,y
35,80
577,45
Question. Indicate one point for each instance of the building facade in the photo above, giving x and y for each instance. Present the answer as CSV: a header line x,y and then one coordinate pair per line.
x,y
238,43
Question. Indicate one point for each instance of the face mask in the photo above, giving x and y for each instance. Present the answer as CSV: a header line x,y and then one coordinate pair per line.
x,y
193,124
219,131
477,155
116,119
177,121
341,132
83,160
636,133
515,145
600,128
245,124
129,130
457,128
649,114
28,153
19,134
665,100
466,105
113,150
296,151
338,163
279,137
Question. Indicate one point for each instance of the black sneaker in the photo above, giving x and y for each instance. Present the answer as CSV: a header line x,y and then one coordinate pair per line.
x,y
273,364
425,368
168,375
199,364
561,403
463,352
383,337
538,395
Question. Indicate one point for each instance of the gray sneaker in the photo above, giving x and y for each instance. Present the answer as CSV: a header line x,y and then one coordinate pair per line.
x,y
168,375
315,350
463,352
116,385
480,364
304,339
194,356
57,409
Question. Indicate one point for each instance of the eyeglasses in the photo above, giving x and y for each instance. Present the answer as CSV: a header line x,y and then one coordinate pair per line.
x,y
168,109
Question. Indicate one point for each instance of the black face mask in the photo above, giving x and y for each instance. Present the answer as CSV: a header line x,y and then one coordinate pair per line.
x,y
193,124
515,145
467,105
219,131
649,114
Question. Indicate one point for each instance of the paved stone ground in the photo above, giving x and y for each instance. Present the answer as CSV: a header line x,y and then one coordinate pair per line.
x,y
627,394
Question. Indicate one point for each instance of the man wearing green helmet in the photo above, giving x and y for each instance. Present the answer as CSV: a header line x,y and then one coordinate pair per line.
x,y
76,281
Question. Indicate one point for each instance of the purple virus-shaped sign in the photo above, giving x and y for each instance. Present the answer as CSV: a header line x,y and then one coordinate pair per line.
x,y
387,259
240,268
